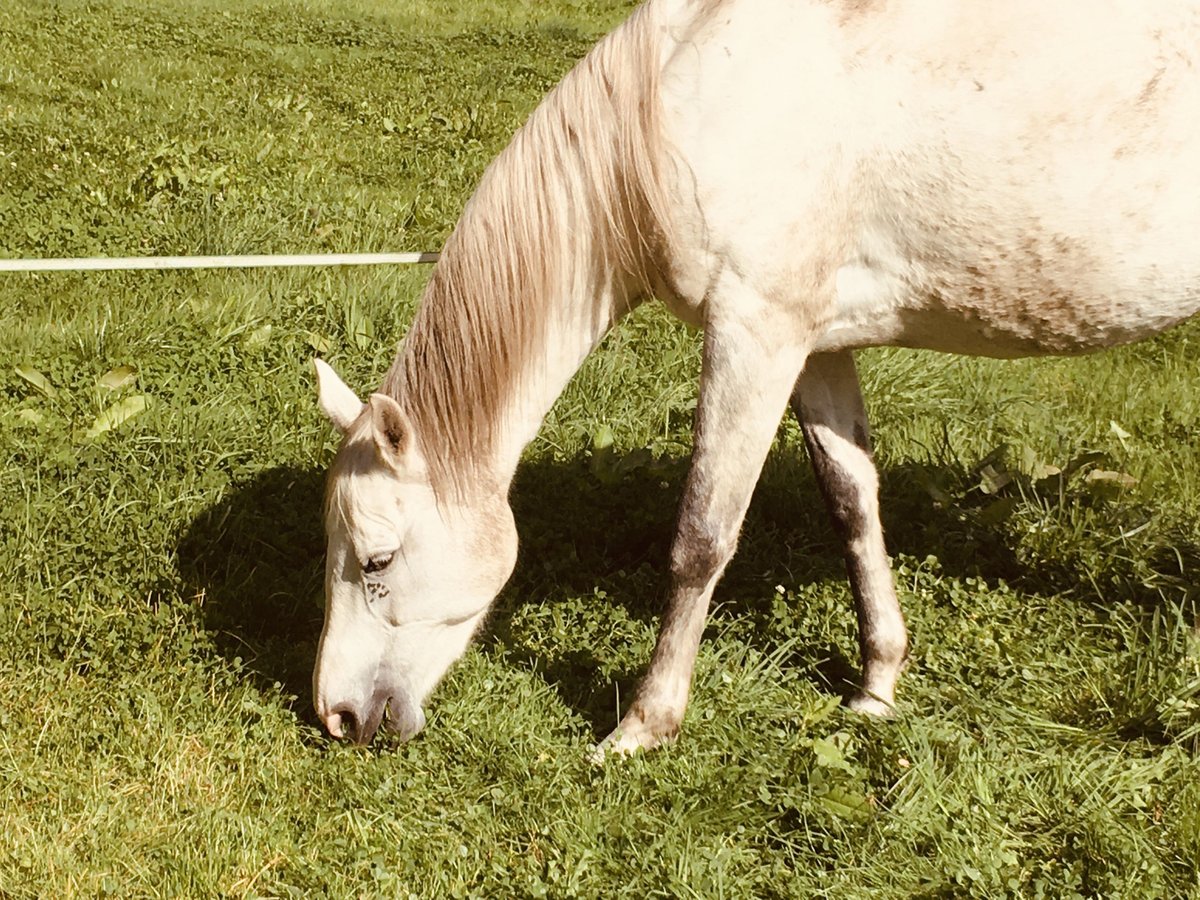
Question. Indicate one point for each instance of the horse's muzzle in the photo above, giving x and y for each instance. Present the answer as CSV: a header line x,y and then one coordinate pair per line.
x,y
359,724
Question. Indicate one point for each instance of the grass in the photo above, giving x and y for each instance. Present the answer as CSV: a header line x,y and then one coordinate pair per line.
x,y
161,544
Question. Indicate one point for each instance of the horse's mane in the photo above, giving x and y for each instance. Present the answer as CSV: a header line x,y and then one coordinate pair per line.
x,y
579,194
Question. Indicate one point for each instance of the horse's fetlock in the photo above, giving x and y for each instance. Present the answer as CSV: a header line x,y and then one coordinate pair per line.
x,y
659,721
887,650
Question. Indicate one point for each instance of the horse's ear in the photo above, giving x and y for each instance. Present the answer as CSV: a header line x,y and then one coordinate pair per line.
x,y
393,434
340,404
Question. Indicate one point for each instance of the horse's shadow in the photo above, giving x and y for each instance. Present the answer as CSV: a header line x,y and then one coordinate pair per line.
x,y
257,558
583,535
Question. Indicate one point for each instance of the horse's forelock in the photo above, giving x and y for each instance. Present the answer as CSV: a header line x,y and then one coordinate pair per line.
x,y
356,458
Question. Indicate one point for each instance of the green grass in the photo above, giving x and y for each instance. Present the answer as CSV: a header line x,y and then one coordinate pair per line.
x,y
161,595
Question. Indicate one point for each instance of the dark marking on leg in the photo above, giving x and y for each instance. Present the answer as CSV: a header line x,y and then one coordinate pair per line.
x,y
861,438
844,504
838,489
829,405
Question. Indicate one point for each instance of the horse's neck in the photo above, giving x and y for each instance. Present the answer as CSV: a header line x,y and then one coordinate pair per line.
x,y
553,244
572,332
477,380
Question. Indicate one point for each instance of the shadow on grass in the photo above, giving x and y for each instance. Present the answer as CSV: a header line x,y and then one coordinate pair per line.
x,y
582,534
258,558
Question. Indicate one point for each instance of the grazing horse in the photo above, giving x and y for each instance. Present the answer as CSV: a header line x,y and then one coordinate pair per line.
x,y
800,178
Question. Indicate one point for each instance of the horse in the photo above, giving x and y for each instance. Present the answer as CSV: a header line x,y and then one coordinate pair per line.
x,y
800,179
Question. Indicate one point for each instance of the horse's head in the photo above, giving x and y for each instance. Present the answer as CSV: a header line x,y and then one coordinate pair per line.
x,y
408,579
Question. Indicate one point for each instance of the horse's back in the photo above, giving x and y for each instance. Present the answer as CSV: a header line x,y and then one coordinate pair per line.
x,y
992,178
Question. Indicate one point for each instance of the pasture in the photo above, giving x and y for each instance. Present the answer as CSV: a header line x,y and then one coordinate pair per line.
x,y
161,542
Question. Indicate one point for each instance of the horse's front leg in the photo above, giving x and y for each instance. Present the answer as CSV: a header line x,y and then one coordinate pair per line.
x,y
753,352
829,404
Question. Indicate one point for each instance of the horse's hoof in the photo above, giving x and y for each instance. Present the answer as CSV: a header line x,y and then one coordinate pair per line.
x,y
631,736
613,745
870,705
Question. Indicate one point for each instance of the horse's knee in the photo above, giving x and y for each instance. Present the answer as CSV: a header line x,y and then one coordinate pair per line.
x,y
700,551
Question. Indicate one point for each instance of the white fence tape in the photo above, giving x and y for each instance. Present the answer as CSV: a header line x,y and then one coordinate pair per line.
x,y
114,263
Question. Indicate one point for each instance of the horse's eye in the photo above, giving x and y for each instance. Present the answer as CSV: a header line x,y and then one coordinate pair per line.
x,y
377,563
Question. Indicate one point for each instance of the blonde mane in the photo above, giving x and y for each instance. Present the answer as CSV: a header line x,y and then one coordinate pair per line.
x,y
576,197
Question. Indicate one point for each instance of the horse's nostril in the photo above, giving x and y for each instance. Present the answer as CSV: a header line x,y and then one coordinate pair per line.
x,y
342,723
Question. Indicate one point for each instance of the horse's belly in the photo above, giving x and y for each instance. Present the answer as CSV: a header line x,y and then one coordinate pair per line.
x,y
992,301
972,335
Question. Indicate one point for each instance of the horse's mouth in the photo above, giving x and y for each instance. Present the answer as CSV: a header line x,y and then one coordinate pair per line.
x,y
396,711
405,721
363,732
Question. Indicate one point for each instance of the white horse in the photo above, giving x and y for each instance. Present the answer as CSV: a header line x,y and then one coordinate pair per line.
x,y
801,178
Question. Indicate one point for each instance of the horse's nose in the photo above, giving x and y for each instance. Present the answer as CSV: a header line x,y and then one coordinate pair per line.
x,y
358,725
359,721
355,725
341,722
